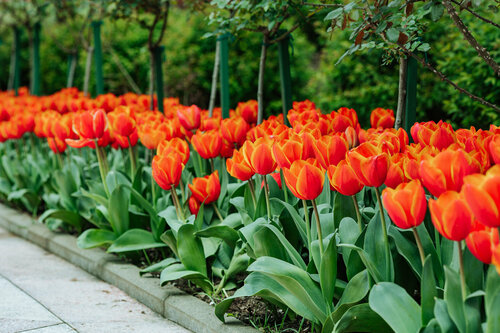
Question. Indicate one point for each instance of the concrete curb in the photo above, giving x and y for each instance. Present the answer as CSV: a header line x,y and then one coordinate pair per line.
x,y
172,303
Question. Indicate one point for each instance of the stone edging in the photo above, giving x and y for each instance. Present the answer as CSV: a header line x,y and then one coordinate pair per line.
x,y
172,303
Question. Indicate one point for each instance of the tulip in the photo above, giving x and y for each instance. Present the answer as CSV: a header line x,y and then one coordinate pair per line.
x,y
189,117
446,171
451,215
206,189
494,148
330,150
440,135
343,179
57,146
248,110
177,145
90,124
495,257
207,144
406,206
234,130
481,241
122,123
286,151
259,156
369,164
167,170
381,117
305,178
482,193
238,167
194,205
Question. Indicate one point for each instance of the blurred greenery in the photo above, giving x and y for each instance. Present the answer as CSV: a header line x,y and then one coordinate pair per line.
x,y
362,81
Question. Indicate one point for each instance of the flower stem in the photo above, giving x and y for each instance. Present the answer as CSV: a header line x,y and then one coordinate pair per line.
x,y
384,230
102,167
133,164
252,192
212,167
266,192
419,245
183,194
318,226
217,211
308,226
358,214
178,206
462,272
283,186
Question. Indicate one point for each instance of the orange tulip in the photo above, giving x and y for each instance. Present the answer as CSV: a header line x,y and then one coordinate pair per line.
x,y
330,150
121,124
440,135
381,117
151,135
259,156
206,189
495,257
234,130
305,179
238,167
451,215
286,151
90,124
482,193
343,179
176,145
494,148
56,145
194,205
481,241
189,117
248,110
446,171
369,164
207,144
167,170
406,204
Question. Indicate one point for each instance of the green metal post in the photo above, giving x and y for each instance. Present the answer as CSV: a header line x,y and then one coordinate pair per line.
x,y
224,74
35,66
411,94
285,77
158,53
96,27
17,47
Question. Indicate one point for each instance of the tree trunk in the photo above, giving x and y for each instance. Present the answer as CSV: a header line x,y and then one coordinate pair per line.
x,y
152,80
403,68
88,66
215,77
32,59
71,71
260,91
12,70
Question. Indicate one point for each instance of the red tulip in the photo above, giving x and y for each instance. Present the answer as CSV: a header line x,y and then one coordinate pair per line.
x,y
481,241
494,148
305,179
207,144
194,205
259,156
176,145
287,151
234,130
238,167
381,117
167,170
369,164
406,204
206,189
189,117
90,124
451,215
330,150
343,179
248,110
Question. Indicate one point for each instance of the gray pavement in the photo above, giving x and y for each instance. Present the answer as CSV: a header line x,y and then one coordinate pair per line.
x,y
42,293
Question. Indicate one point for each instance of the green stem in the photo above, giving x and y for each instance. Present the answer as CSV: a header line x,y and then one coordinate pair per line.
x,y
212,167
318,226
102,167
147,257
462,272
308,226
153,190
437,238
217,211
266,192
252,192
358,214
283,186
419,245
384,230
178,205
133,163
183,194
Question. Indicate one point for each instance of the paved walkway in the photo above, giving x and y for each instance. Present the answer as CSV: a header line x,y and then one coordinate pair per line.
x,y
42,293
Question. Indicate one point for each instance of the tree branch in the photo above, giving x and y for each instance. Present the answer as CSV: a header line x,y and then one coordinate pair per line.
x,y
476,14
163,25
481,51
335,5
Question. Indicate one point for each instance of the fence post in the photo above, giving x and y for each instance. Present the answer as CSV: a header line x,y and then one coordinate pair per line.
x,y
411,94
17,51
285,77
96,27
35,85
158,53
224,74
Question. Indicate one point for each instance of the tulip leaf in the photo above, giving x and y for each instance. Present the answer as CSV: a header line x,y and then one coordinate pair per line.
x,y
224,232
66,216
357,288
118,210
157,225
134,240
190,249
198,221
474,274
343,206
295,280
159,266
295,257
407,248
396,307
299,222
428,291
328,270
361,318
348,232
91,238
443,317
178,271
168,238
115,178
99,199
375,248
492,300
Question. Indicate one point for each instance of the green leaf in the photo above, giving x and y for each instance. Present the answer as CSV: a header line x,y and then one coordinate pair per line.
x,y
334,14
361,318
492,300
134,240
168,238
198,221
343,207
99,199
178,271
357,288
428,291
66,216
454,299
437,11
443,317
396,307
392,34
157,226
299,222
328,270
348,233
224,232
118,210
375,248
95,238
115,178
158,267
407,249
190,249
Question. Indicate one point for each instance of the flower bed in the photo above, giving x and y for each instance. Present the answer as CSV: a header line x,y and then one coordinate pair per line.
x,y
323,219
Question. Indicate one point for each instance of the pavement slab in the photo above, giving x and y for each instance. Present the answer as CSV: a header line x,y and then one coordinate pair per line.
x,y
40,292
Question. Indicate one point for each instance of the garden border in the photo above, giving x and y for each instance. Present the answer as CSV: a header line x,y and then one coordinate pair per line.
x,y
172,303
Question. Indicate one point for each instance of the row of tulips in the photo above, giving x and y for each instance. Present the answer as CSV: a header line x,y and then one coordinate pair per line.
x,y
303,212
